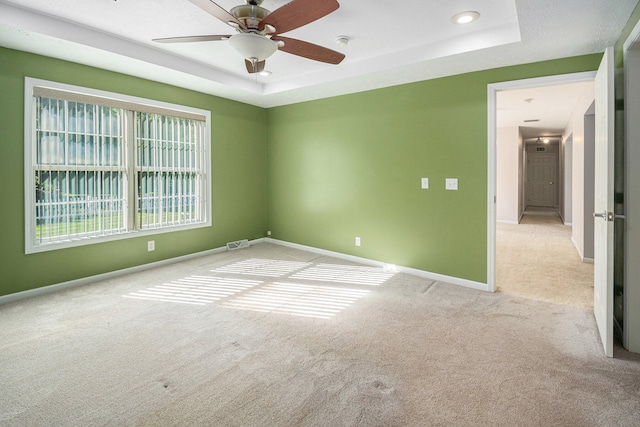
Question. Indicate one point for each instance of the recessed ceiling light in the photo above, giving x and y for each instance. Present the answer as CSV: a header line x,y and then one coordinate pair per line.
x,y
265,73
465,17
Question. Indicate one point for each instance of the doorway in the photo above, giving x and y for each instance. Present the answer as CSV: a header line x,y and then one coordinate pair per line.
x,y
541,180
541,168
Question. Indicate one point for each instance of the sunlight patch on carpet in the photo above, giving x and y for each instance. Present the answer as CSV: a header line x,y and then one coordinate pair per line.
x,y
321,302
263,267
345,274
197,290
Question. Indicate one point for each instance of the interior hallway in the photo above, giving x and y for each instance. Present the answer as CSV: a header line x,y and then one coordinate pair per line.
x,y
537,259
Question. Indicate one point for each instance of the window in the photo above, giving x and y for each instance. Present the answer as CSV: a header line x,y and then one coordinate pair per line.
x,y
102,166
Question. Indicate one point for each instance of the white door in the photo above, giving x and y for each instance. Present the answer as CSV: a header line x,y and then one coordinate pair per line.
x,y
603,203
541,168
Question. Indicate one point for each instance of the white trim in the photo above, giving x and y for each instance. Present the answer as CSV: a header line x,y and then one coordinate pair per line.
x,y
32,82
30,157
390,267
580,254
492,179
633,37
504,221
492,91
559,79
31,293
29,161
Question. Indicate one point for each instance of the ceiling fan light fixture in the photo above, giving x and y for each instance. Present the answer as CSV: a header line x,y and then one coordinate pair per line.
x,y
253,46
465,17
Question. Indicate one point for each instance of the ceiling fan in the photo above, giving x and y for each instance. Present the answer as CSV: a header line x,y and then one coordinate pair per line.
x,y
258,30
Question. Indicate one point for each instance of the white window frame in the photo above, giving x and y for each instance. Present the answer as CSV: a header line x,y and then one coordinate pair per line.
x,y
139,104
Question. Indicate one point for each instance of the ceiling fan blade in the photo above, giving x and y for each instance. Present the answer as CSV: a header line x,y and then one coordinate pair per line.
x,y
254,68
298,13
309,50
217,11
189,39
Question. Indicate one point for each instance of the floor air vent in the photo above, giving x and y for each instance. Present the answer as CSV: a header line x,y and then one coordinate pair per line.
x,y
238,244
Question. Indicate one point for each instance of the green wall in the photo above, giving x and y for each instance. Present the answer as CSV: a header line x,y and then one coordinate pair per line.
x,y
317,173
238,177
351,166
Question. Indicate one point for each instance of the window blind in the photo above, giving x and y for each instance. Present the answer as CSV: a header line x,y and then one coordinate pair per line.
x,y
46,92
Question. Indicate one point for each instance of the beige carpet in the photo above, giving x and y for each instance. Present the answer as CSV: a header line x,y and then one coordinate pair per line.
x,y
536,259
271,336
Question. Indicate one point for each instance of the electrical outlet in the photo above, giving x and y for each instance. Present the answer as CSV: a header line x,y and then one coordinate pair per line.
x,y
357,241
269,233
151,245
451,184
425,183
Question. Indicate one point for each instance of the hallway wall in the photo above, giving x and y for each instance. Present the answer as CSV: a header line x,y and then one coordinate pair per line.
x,y
508,175
576,130
589,181
566,210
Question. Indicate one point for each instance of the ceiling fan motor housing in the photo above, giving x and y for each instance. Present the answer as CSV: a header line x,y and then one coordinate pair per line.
x,y
250,15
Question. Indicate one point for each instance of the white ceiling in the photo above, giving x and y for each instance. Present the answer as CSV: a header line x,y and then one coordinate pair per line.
x,y
551,107
391,42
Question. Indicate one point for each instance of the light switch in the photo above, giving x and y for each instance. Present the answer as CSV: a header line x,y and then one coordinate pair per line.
x,y
451,184
425,183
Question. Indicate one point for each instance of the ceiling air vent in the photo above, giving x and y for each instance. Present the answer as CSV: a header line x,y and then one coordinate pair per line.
x,y
532,120
238,244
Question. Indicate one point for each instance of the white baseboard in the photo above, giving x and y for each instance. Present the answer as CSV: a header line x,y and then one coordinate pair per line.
x,y
413,271
30,293
575,245
5,299
587,260
504,221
